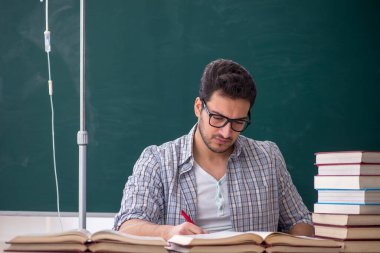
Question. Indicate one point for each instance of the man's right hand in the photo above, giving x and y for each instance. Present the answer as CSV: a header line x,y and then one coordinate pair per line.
x,y
186,228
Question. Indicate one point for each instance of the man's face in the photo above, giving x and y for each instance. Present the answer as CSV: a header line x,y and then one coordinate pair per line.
x,y
220,140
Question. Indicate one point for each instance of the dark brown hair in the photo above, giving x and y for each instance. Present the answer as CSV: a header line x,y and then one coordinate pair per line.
x,y
230,77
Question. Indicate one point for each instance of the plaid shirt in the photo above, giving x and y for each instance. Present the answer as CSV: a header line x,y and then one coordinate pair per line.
x,y
261,193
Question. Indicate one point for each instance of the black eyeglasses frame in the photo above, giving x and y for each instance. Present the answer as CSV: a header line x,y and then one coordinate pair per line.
x,y
228,120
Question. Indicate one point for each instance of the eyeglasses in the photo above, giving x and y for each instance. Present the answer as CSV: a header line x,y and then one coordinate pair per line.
x,y
219,121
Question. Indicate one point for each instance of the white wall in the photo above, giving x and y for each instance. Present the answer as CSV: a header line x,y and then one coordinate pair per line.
x,y
17,223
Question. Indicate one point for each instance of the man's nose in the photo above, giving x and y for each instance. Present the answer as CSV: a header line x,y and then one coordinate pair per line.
x,y
226,131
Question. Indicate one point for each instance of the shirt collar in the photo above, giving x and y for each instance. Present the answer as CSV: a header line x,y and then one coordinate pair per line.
x,y
188,147
237,147
187,155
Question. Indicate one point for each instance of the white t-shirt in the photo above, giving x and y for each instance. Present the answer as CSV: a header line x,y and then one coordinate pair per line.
x,y
213,204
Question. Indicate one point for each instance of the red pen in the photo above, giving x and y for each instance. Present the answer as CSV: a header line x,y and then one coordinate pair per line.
x,y
187,218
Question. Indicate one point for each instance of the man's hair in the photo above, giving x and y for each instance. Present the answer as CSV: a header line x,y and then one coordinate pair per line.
x,y
232,79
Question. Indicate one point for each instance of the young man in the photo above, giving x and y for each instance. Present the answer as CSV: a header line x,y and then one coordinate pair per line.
x,y
221,179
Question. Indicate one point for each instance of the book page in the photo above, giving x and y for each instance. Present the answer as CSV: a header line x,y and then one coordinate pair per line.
x,y
216,235
77,236
218,238
265,234
120,237
240,248
47,247
293,240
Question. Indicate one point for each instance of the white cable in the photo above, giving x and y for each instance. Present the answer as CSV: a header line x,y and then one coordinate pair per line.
x,y
50,84
54,161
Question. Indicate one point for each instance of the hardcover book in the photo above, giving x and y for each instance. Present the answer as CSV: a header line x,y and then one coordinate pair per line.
x,y
346,219
83,241
251,242
354,169
346,208
347,232
359,196
347,157
346,182
364,246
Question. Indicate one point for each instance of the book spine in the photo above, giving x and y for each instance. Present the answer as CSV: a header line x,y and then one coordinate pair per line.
x,y
351,204
343,164
346,151
346,226
343,240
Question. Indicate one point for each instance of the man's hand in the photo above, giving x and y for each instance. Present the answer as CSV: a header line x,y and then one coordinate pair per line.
x,y
145,228
183,229
302,229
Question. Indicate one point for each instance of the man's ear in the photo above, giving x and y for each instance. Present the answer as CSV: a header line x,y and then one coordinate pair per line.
x,y
198,107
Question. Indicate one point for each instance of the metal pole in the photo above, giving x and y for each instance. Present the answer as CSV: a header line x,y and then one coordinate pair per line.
x,y
82,138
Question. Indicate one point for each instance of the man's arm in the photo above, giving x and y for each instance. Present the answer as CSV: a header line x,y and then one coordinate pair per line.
x,y
302,229
145,228
295,218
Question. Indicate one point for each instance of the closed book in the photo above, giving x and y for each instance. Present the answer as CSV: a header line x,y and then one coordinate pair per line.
x,y
359,196
354,169
346,182
362,246
346,219
347,157
346,208
347,232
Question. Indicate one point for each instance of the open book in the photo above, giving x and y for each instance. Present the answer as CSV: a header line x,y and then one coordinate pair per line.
x,y
236,242
82,240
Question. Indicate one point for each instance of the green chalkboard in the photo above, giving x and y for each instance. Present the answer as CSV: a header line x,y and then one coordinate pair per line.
x,y
316,64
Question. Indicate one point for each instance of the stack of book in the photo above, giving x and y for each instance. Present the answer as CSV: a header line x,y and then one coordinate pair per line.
x,y
348,208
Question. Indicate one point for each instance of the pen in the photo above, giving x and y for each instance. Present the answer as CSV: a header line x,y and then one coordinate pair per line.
x,y
187,218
